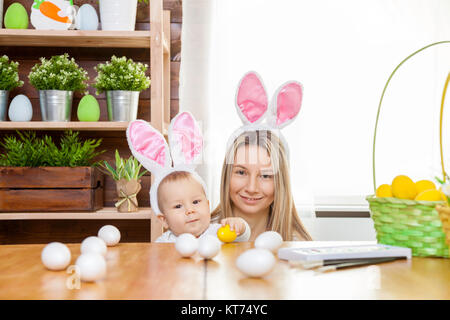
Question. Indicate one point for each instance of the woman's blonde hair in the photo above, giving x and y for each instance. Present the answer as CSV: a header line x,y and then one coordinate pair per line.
x,y
283,216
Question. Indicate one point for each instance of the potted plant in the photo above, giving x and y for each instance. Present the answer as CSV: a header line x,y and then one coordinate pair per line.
x,y
123,80
9,79
128,184
118,15
38,175
57,79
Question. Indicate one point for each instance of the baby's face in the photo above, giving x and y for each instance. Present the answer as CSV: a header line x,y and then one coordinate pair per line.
x,y
184,206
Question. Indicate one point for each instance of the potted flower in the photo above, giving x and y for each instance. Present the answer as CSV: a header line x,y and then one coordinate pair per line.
x,y
118,15
57,79
122,79
128,184
37,174
9,79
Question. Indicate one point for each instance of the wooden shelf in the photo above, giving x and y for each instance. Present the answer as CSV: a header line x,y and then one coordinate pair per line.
x,y
102,214
75,38
70,125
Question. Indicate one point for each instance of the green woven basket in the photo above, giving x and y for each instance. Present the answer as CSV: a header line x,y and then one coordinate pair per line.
x,y
409,223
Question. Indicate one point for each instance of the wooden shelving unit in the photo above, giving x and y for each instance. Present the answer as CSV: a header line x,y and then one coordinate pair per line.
x,y
103,214
157,40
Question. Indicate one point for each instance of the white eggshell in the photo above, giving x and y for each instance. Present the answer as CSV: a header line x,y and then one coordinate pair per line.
x,y
186,245
93,245
87,18
91,266
256,262
209,246
110,234
270,240
20,109
55,256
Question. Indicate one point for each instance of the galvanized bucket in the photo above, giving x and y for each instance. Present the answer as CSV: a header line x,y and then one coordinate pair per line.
x,y
122,105
56,105
4,94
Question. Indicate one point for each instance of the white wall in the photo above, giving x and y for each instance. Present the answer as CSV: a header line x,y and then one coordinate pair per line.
x,y
340,229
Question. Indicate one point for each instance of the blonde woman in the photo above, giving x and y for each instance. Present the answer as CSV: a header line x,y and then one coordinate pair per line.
x,y
255,183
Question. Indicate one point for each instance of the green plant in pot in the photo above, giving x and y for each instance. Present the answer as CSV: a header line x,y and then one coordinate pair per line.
x,y
127,175
9,80
122,79
56,79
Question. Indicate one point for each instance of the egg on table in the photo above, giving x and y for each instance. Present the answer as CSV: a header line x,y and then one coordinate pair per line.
x,y
270,240
256,262
87,18
110,234
91,267
209,246
93,245
55,256
186,245
20,109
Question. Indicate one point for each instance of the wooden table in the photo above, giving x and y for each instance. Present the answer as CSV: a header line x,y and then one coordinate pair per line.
x,y
155,271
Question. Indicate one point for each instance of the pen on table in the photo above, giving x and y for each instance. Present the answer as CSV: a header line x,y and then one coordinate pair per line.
x,y
356,263
320,263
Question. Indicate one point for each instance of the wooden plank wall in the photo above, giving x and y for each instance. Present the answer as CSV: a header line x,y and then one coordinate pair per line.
x,y
88,58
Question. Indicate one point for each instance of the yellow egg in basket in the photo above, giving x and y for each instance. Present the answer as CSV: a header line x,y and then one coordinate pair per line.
x,y
424,185
403,187
431,195
384,191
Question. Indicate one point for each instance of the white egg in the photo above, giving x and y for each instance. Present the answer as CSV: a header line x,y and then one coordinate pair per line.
x,y
91,267
93,245
256,262
270,240
20,109
110,234
209,246
55,256
186,245
87,18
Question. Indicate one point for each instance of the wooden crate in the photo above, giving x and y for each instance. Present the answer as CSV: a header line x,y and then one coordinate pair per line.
x,y
50,189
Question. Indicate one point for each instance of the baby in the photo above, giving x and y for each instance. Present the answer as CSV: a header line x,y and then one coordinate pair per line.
x,y
185,209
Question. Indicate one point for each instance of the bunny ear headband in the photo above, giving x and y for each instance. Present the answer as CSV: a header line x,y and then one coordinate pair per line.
x,y
149,147
253,107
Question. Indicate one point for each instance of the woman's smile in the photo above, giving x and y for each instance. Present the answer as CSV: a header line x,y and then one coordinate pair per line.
x,y
250,200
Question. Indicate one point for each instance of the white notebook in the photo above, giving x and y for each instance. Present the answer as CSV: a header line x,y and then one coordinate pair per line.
x,y
342,252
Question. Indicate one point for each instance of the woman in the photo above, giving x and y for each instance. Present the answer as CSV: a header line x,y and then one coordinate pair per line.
x,y
255,186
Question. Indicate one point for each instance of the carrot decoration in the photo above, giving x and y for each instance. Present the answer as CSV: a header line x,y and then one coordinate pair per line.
x,y
50,10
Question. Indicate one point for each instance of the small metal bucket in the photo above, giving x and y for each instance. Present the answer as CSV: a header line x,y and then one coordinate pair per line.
x,y
56,105
122,105
4,94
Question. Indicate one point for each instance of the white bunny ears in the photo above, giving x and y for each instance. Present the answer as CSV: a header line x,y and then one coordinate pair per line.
x,y
149,147
253,107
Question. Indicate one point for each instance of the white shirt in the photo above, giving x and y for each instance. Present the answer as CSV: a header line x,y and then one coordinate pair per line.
x,y
169,236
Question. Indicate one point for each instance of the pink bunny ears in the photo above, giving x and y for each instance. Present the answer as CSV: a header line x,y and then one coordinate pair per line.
x,y
253,107
149,147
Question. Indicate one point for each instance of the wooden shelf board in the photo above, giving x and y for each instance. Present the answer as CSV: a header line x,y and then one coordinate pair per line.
x,y
74,38
72,125
102,214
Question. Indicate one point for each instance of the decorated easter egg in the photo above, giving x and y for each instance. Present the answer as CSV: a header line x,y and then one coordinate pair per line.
x,y
209,246
52,14
186,245
225,234
270,240
55,256
256,262
88,109
91,266
16,17
93,245
20,109
109,234
87,18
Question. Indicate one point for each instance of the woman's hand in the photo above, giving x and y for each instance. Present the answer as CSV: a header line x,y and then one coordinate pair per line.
x,y
235,223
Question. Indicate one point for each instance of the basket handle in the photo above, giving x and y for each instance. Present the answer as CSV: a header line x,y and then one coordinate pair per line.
x,y
381,100
444,92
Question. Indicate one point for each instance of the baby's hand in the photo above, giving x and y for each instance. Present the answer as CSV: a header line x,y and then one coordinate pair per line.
x,y
235,223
